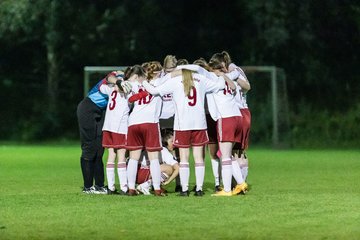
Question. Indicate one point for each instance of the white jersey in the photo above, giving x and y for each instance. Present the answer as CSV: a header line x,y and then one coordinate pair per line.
x,y
145,110
222,104
189,110
240,98
165,157
167,109
117,111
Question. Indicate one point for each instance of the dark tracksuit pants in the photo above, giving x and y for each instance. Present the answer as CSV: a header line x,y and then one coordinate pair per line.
x,y
91,120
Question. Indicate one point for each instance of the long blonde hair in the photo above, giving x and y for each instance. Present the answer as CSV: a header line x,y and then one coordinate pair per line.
x,y
188,81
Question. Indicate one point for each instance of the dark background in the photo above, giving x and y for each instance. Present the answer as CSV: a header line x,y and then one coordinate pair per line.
x,y
44,46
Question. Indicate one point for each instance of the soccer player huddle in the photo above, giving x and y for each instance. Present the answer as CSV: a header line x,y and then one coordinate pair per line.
x,y
154,114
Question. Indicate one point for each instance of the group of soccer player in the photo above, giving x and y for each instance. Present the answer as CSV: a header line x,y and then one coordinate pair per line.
x,y
156,113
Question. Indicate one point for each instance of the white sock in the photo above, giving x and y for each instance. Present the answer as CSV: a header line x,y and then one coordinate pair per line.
x,y
110,176
244,168
236,171
215,164
155,173
226,172
121,169
131,173
199,175
184,173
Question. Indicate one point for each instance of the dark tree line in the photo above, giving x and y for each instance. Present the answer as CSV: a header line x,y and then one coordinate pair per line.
x,y
45,44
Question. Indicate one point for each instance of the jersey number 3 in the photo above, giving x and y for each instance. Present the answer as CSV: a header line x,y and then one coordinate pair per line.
x,y
113,100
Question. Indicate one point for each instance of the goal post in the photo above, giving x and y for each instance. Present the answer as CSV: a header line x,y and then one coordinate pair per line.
x,y
268,83
267,101
90,70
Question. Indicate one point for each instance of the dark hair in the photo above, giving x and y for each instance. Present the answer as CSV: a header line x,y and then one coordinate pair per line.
x,y
202,63
227,58
165,136
224,57
136,69
216,63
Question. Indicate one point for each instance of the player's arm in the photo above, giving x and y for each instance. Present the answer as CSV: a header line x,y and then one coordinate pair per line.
x,y
241,78
229,82
174,174
114,76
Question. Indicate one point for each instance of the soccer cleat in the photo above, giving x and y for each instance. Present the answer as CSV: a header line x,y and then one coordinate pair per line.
x,y
218,188
199,193
144,190
90,190
132,192
159,193
240,188
101,190
222,193
110,192
178,188
183,194
122,193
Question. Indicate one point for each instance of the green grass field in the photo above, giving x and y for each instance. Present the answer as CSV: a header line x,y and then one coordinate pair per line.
x,y
295,194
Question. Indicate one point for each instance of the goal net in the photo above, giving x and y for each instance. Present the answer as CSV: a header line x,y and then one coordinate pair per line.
x,y
267,101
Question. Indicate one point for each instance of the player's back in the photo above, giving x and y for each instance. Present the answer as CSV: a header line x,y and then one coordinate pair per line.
x,y
189,110
117,111
145,110
224,103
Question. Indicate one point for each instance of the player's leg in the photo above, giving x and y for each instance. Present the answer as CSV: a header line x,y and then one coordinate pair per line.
x,y
184,171
121,169
99,175
155,169
132,170
153,147
110,170
226,170
215,164
213,148
143,180
87,129
198,153
177,179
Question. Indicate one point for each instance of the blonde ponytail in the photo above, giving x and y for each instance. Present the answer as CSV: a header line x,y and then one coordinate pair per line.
x,y
188,81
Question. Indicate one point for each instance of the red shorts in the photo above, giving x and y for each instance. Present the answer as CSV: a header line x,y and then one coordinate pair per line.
x,y
113,140
211,129
246,123
144,136
188,138
229,129
143,174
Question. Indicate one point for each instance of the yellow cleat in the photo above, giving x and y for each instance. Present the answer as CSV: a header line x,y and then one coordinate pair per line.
x,y
222,193
240,188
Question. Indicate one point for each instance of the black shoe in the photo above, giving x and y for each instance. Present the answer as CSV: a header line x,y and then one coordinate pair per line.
x,y
122,193
183,194
115,192
199,193
178,188
101,190
218,188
